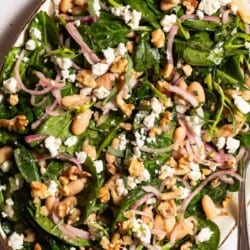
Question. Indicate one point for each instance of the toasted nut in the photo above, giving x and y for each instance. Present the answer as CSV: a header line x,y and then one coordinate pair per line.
x,y
66,205
190,5
44,211
105,80
158,38
186,246
187,69
197,90
73,187
226,130
170,195
30,235
126,126
245,95
73,100
17,123
66,6
110,158
81,122
136,167
39,191
179,134
104,194
86,78
6,153
80,2
166,119
130,46
181,229
74,215
37,247
159,224
168,71
208,207
167,5
119,66
126,108
13,100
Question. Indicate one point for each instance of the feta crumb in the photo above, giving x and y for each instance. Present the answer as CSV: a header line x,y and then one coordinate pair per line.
x,y
109,55
168,21
232,145
241,104
204,235
99,69
53,188
66,75
141,230
156,106
35,33
195,173
151,201
209,7
101,92
30,45
120,187
247,45
86,91
71,141
122,142
195,123
99,166
81,156
53,144
97,7
15,241
131,182
121,50
149,121
135,18
185,192
166,171
221,142
234,9
145,176
137,152
9,202
6,166
10,85
63,63
200,14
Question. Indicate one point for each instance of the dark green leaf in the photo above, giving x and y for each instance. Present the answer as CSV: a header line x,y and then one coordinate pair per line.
x,y
201,24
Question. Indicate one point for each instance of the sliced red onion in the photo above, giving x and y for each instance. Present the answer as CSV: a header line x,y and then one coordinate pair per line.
x,y
32,138
206,18
83,20
214,175
151,189
73,232
37,123
227,180
172,33
163,184
88,53
225,16
39,104
141,201
54,218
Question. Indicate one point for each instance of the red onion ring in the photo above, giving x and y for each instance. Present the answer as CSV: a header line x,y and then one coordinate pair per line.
x,y
73,232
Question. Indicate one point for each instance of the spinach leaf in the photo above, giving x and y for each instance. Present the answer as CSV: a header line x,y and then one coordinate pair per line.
x,y
245,140
7,137
54,169
57,126
148,10
26,164
201,24
107,31
196,57
145,56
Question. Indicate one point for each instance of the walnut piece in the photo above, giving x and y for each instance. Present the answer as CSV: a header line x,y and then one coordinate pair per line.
x,y
18,123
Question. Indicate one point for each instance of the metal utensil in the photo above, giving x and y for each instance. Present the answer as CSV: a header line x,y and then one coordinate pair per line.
x,y
243,239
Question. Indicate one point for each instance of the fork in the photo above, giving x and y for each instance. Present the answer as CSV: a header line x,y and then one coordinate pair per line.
x,y
243,239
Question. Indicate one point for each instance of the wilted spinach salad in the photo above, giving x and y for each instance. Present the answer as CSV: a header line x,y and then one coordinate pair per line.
x,y
124,124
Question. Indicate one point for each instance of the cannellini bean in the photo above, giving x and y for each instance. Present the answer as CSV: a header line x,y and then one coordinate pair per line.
x,y
50,203
197,90
6,153
73,187
73,100
158,38
89,150
208,207
167,71
81,122
179,134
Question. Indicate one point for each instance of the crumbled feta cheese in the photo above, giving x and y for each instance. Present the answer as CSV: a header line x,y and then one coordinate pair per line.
x,y
200,14
181,108
151,140
66,75
204,235
53,145
86,91
234,9
98,166
151,201
99,69
139,139
247,45
25,59
97,7
109,55
185,192
195,123
77,23
225,2
145,176
137,152
131,182
135,18
53,188
15,241
120,10
9,202
121,50
241,104
10,85
141,230
122,142
168,21
195,173
71,141
166,171
209,7
149,120
63,63
3,187
156,106
232,145
221,142
6,166
35,33
30,45
101,92
81,156
120,187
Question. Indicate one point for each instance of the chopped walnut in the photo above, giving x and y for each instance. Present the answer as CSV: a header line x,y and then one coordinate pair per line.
x,y
86,78
39,191
13,100
166,119
115,243
119,66
190,5
136,167
126,108
167,5
18,123
186,246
